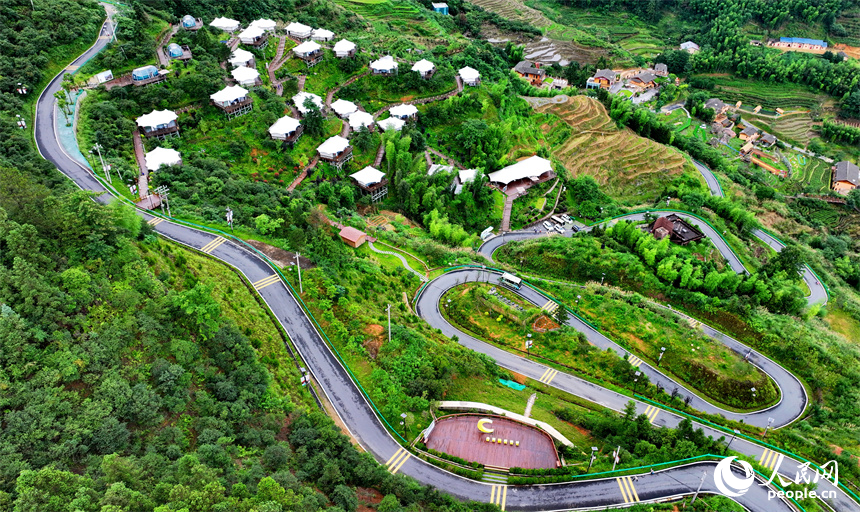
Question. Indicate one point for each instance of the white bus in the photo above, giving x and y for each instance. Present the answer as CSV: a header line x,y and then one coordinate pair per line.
x,y
557,219
511,281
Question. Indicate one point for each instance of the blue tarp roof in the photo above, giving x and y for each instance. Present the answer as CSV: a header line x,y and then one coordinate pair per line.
x,y
803,40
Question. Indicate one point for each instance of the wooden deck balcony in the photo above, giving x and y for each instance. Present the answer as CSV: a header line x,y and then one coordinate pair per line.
x,y
161,132
152,80
235,107
340,159
259,43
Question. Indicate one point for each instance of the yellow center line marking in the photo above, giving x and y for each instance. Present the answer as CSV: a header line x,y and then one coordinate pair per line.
x,y
623,490
632,488
211,246
544,374
262,283
504,497
397,459
550,376
392,457
72,67
155,221
104,37
493,495
402,462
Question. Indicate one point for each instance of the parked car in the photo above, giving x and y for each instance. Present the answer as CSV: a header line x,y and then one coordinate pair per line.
x,y
547,225
566,217
559,229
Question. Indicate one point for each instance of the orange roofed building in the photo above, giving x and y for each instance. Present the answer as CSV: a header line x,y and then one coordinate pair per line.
x,y
353,237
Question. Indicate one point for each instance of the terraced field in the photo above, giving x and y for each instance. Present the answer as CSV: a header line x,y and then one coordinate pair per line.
x,y
515,10
769,96
795,128
401,16
626,165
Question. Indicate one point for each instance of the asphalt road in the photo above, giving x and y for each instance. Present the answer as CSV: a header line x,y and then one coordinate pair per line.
x,y
351,405
818,293
792,404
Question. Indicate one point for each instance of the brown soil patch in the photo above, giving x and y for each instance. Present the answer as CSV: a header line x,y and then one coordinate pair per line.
x,y
545,323
368,499
375,343
836,449
254,152
518,378
279,256
581,430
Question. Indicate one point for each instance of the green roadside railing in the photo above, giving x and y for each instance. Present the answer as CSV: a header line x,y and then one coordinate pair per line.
x,y
743,436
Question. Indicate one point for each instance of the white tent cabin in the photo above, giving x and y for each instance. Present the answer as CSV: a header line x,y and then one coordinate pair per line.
x,y
335,150
299,31
158,124
392,123
424,68
286,129
242,57
344,49
404,111
255,37
246,76
529,171
265,24
310,52
300,98
159,157
384,66
470,76
359,119
372,182
225,24
233,100
321,34
343,108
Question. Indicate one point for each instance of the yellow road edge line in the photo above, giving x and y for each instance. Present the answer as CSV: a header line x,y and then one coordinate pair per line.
x,y
504,497
633,488
493,495
544,374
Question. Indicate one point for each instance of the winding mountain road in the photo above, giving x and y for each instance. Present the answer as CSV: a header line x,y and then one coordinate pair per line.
x,y
358,415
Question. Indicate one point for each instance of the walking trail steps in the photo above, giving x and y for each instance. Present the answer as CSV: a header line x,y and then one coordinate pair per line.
x,y
420,101
304,174
379,154
420,276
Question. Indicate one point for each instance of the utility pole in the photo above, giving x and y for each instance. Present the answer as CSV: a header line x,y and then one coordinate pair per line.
x,y
389,323
662,351
769,423
98,148
298,265
704,473
732,439
593,457
230,223
616,456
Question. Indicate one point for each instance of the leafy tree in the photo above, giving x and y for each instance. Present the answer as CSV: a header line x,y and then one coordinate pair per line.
x,y
313,120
